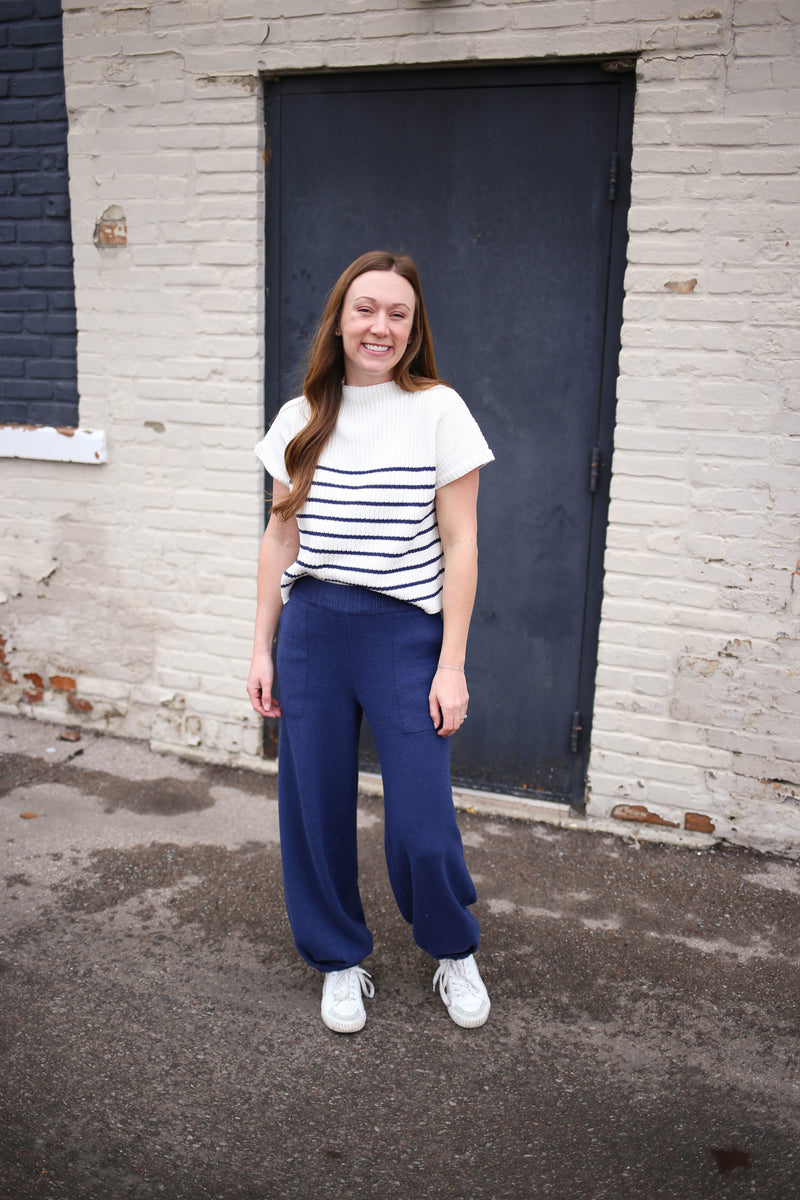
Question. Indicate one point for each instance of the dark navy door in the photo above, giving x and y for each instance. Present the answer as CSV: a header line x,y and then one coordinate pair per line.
x,y
509,188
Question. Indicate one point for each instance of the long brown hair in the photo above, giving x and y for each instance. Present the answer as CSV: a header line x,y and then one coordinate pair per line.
x,y
322,386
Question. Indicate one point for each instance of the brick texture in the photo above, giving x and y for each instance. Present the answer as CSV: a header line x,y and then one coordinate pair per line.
x,y
699,645
137,579
38,367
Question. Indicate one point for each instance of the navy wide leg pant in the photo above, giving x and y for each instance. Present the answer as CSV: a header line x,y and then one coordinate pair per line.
x,y
345,651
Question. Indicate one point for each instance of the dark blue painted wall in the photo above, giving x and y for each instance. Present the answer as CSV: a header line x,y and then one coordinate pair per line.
x,y
38,375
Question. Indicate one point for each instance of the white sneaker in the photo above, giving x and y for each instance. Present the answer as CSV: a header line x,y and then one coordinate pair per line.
x,y
463,991
342,1004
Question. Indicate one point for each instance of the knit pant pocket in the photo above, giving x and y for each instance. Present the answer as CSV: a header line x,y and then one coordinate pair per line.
x,y
292,658
416,643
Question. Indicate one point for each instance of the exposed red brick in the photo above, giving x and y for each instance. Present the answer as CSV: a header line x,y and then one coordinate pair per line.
x,y
82,706
638,812
62,683
111,233
3,658
7,677
698,823
36,693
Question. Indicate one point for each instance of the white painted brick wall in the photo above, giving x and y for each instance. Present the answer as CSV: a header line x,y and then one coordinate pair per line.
x,y
137,578
703,538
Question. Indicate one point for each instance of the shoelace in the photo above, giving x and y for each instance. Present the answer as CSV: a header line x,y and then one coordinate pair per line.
x,y
346,983
453,981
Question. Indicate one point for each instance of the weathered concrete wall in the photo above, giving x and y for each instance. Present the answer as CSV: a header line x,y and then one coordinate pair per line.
x,y
136,579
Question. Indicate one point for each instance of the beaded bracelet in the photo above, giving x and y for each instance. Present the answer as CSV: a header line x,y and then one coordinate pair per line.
x,y
445,667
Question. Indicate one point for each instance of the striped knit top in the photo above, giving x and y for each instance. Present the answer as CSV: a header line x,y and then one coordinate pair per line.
x,y
370,517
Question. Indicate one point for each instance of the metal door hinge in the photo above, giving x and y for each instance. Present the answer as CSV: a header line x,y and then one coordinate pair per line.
x,y
612,183
594,470
575,733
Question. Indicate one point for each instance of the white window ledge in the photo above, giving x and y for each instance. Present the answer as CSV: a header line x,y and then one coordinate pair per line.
x,y
53,443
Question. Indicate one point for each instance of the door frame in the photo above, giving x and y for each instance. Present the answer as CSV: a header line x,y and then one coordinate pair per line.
x,y
616,72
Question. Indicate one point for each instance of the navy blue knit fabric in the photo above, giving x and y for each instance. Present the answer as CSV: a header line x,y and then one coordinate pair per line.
x,y
38,369
346,652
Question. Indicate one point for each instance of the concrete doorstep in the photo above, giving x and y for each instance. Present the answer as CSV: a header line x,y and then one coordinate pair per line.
x,y
161,1037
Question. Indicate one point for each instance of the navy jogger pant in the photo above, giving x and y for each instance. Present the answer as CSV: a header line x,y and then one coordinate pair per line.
x,y
344,651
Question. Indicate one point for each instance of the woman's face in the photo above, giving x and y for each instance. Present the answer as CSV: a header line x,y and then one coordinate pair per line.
x,y
376,324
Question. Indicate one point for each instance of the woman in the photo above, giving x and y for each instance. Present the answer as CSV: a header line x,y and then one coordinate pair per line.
x,y
370,555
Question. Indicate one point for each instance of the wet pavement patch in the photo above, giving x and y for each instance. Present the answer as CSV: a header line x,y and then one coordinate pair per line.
x,y
731,1159
163,796
17,880
223,891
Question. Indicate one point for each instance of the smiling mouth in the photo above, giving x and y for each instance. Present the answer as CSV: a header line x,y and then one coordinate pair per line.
x,y
375,348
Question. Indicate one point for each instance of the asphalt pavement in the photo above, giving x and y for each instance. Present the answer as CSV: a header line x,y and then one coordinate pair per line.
x,y
161,1038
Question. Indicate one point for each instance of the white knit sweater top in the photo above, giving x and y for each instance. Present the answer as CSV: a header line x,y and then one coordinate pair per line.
x,y
370,517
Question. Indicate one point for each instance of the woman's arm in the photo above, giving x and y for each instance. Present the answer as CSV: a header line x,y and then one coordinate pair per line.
x,y
456,513
279,548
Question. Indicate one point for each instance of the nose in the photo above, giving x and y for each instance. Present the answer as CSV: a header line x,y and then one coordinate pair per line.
x,y
379,323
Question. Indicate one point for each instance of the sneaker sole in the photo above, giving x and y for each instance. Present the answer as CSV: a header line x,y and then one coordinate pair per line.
x,y
470,1022
345,1026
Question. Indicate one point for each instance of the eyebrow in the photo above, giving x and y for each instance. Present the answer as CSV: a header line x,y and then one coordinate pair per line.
x,y
372,300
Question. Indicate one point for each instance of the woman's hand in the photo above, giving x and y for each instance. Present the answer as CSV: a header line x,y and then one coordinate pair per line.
x,y
448,700
259,686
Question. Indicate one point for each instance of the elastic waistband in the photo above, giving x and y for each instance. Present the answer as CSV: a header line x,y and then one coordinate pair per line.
x,y
342,597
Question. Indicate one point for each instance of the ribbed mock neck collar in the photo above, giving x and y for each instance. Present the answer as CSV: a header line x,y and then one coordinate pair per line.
x,y
366,397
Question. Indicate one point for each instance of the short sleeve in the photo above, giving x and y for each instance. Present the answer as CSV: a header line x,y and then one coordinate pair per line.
x,y
272,448
460,445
